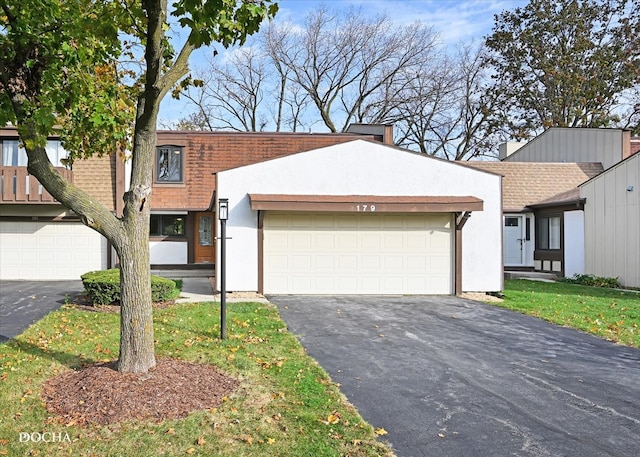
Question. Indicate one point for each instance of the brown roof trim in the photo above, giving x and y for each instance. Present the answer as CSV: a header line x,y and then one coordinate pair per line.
x,y
365,203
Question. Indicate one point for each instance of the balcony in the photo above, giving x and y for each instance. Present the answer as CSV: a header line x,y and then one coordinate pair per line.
x,y
17,186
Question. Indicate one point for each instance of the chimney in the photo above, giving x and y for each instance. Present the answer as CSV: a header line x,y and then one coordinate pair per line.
x,y
384,132
508,148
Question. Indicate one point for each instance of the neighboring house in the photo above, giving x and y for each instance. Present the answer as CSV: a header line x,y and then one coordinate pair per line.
x,y
546,214
612,222
39,238
362,218
540,203
564,144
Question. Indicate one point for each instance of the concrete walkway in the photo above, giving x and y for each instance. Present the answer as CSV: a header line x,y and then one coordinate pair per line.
x,y
199,289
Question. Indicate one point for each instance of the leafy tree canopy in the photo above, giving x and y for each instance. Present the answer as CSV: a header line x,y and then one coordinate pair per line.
x,y
564,63
97,70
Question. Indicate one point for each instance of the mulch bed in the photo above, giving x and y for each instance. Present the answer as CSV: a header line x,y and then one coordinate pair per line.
x,y
99,394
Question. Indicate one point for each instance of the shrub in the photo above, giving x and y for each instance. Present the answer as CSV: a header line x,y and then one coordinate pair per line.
x,y
103,287
592,280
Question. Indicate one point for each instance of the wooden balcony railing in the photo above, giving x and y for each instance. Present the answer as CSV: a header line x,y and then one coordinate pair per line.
x,y
18,186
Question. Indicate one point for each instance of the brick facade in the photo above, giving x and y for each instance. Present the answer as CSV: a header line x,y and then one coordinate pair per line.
x,y
96,176
209,152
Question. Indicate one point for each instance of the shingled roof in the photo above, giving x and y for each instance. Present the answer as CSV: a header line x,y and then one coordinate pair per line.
x,y
529,183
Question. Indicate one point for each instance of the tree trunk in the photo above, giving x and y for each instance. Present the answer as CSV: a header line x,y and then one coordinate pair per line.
x,y
136,312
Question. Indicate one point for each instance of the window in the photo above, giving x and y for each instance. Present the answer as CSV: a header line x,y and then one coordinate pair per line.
x,y
169,164
162,225
15,156
511,221
548,232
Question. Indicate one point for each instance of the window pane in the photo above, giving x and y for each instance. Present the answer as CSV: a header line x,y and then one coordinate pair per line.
x,y
543,233
12,154
169,164
154,227
173,225
56,152
205,231
511,221
554,232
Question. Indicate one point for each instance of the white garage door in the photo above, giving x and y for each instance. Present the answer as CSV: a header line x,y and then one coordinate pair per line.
x,y
49,250
357,253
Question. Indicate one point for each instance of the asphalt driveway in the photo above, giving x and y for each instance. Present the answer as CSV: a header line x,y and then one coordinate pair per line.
x,y
452,377
24,302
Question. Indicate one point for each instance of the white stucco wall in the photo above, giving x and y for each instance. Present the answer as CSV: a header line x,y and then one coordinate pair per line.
x,y
363,168
168,252
573,243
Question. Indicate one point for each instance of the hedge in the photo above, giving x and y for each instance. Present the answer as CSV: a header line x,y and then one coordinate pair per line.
x,y
103,287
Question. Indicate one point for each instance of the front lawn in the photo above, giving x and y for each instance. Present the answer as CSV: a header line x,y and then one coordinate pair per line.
x,y
608,313
285,406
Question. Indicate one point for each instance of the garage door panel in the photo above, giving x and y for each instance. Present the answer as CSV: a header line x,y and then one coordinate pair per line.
x,y
357,253
301,262
324,262
346,222
370,262
346,241
278,262
324,241
393,242
347,262
416,263
370,241
49,250
349,284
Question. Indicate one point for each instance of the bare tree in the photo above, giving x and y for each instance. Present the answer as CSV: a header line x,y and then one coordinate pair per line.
x,y
343,61
229,96
291,101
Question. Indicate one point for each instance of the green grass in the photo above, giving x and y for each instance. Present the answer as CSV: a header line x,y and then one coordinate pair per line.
x,y
610,314
285,406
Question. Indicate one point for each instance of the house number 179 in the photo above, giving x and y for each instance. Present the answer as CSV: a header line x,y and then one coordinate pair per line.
x,y
366,208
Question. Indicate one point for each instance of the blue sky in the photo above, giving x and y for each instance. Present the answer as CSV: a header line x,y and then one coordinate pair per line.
x,y
454,20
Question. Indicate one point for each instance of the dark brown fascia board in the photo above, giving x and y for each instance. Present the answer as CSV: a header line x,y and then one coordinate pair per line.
x,y
579,203
365,203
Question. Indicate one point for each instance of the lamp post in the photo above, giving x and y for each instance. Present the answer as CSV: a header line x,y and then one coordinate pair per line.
x,y
223,215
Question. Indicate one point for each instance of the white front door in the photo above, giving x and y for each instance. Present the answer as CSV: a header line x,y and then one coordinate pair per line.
x,y
514,240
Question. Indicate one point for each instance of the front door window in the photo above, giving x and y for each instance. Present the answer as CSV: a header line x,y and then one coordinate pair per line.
x,y
205,234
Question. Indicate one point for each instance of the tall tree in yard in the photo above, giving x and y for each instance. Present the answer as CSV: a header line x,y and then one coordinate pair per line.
x,y
565,63
62,69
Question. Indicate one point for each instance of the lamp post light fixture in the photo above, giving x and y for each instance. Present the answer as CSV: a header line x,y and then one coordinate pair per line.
x,y
223,215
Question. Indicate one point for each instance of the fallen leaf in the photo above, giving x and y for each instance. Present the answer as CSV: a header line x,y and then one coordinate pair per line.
x,y
380,431
191,450
441,435
201,441
171,432
271,440
333,419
